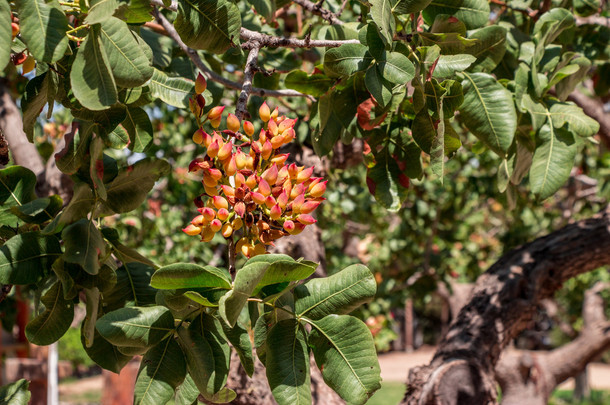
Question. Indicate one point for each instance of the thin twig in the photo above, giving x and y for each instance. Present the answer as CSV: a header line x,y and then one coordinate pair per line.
x,y
342,8
172,7
316,8
210,74
277,42
251,68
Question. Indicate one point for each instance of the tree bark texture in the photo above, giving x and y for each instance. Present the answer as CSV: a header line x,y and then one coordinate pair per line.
x,y
529,377
502,303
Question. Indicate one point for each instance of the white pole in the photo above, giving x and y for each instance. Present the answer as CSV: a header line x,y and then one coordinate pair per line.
x,y
52,380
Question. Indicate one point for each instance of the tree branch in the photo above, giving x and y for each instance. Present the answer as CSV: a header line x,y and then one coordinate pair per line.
x,y
277,42
503,302
241,110
316,8
210,74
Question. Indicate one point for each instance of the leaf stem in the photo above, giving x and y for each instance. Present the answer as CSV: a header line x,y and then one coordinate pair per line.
x,y
77,28
273,306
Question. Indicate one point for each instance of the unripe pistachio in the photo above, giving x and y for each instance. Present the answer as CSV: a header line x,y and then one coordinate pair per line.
x,y
298,228
220,202
297,203
247,249
231,167
270,202
289,135
306,219
240,208
198,137
239,178
267,150
208,213
213,149
264,188
208,234
222,214
251,181
275,212
199,220
248,128
282,175
310,206
275,113
200,84
192,230
215,113
304,175
279,159
237,223
297,190
293,170
270,175
264,112
277,141
215,225
227,230
28,65
282,200
228,190
233,123
215,123
258,198
318,190
226,151
209,180
241,160
262,136
287,187
272,128
15,30
211,191
240,243
288,226
215,173
259,249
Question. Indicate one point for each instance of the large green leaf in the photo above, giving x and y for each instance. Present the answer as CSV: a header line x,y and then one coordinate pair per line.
x,y
84,245
80,205
569,83
345,353
283,269
162,370
553,160
340,293
141,327
50,325
378,86
473,13
396,68
174,91
265,8
100,11
287,363
129,189
212,25
327,133
5,33
347,60
34,99
211,329
72,156
26,258
43,27
199,359
551,24
381,11
488,111
384,181
105,354
17,185
188,392
315,84
39,210
135,11
246,279
91,78
140,130
448,65
189,275
489,48
132,287
15,393
240,340
574,117
128,61
409,6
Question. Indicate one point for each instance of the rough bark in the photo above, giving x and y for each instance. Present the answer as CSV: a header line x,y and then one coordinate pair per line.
x,y
529,377
503,302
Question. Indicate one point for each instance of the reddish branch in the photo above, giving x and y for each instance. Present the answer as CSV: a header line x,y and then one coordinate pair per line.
x,y
251,68
317,9
277,42
503,302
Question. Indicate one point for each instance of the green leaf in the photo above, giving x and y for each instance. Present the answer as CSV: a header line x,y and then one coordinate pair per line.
x,y
118,138
284,269
551,24
15,393
84,245
135,11
139,128
488,111
489,48
552,161
569,83
71,158
240,340
409,6
91,79
162,370
17,185
132,287
160,45
53,323
188,392
246,279
96,166
33,101
100,11
27,258
345,353
80,205
128,61
424,130
315,84
381,11
396,68
199,359
6,36
174,91
575,118
92,296
129,189
136,326
449,43
473,13
287,363
39,210
211,329
339,294
326,135
43,27
189,275
212,25
383,180
378,86
105,354
346,60
265,8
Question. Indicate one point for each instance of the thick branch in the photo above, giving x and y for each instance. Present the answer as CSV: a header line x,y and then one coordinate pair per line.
x,y
316,8
594,108
277,42
503,302
210,74
251,68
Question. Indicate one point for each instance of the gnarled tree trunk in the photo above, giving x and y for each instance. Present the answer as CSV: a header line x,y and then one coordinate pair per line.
x,y
503,302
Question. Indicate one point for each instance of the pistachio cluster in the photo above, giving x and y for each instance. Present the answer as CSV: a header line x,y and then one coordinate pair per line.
x,y
249,188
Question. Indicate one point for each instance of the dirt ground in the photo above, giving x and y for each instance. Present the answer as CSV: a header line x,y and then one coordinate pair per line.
x,y
394,367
